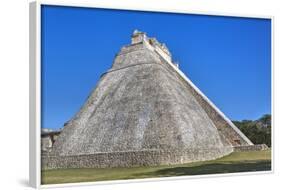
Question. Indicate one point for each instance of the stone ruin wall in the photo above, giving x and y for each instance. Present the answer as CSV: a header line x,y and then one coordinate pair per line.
x,y
257,147
47,141
131,158
137,158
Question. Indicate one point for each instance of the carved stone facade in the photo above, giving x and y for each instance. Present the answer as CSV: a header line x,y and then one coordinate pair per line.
x,y
48,139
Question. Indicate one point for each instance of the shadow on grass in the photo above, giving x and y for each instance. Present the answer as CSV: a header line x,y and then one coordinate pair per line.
x,y
218,167
212,168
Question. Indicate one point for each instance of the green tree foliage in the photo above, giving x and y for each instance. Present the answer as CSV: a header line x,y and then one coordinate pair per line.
x,y
258,131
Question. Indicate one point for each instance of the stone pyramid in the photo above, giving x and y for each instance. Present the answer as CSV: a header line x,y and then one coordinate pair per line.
x,y
146,110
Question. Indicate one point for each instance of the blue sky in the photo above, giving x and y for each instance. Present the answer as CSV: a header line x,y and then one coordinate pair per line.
x,y
228,58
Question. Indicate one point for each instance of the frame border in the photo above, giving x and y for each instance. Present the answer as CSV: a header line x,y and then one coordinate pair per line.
x,y
35,89
34,94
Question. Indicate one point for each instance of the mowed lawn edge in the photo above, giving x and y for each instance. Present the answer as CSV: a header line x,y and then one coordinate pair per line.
x,y
233,163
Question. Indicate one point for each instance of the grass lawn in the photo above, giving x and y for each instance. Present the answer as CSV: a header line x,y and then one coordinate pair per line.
x,y
235,162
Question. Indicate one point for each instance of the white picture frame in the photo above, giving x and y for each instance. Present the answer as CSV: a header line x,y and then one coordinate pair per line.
x,y
35,88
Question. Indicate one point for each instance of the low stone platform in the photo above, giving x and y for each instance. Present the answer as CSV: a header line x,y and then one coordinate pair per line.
x,y
132,158
139,158
256,147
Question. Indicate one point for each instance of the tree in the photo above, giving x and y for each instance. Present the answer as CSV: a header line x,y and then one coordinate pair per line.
x,y
258,131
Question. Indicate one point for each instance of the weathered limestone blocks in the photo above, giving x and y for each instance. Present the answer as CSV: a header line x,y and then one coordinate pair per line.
x,y
132,158
256,147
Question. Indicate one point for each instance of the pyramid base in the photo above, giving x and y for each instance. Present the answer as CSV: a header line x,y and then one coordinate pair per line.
x,y
245,148
133,158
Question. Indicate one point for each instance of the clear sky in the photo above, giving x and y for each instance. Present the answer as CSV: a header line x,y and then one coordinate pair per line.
x,y
227,58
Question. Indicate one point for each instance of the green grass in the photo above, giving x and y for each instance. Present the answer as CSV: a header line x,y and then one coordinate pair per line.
x,y
235,162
